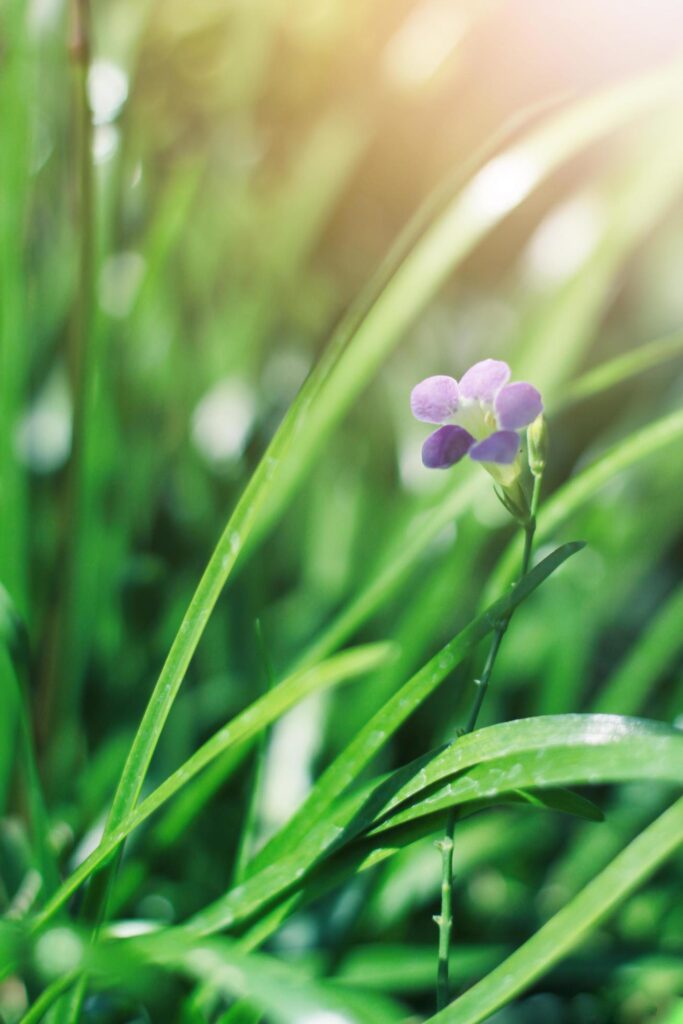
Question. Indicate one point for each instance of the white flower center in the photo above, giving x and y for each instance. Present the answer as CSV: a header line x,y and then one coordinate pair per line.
x,y
476,417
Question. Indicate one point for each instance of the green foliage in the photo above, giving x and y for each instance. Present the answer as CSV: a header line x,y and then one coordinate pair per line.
x,y
232,238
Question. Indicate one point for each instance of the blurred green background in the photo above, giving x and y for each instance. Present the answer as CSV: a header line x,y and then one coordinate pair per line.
x,y
254,162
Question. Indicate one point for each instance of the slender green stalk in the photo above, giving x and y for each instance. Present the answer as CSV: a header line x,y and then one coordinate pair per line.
x,y
48,998
446,845
444,920
16,119
569,927
59,669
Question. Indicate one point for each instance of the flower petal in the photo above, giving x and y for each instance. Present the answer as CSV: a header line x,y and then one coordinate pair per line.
x,y
517,405
501,448
483,380
446,446
435,399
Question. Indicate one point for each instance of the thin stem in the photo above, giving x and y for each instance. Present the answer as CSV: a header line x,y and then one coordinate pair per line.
x,y
530,525
60,668
445,919
47,998
62,665
482,683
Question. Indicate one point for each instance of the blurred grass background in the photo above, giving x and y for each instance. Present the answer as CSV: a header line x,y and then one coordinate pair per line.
x,y
254,162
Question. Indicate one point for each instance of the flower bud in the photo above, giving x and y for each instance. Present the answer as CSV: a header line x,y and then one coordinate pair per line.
x,y
516,500
537,437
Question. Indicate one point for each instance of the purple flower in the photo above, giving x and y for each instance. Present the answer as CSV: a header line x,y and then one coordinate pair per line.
x,y
481,416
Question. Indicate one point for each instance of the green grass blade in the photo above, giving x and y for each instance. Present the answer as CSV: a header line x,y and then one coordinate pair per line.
x,y
626,691
311,832
16,705
46,1000
346,768
16,106
622,368
286,994
557,750
16,110
339,378
410,968
395,568
565,930
368,852
563,800
633,203
196,794
256,717
501,765
221,563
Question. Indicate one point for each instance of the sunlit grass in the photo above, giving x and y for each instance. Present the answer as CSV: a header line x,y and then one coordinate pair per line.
x,y
298,212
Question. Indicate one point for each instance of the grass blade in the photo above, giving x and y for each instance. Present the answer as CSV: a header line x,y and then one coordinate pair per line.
x,y
307,840
346,368
557,750
14,637
346,768
553,345
628,688
565,930
247,724
622,368
16,105
286,994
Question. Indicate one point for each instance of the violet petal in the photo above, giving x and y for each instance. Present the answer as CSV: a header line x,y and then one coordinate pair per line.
x,y
446,446
435,399
500,447
517,405
483,380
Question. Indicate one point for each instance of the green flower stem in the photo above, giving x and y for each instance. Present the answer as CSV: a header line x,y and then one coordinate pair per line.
x,y
444,920
577,919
